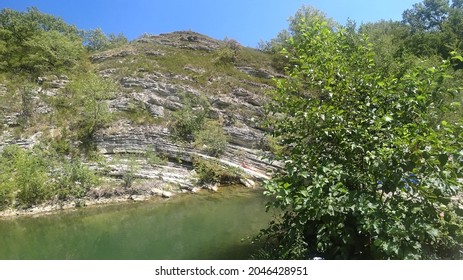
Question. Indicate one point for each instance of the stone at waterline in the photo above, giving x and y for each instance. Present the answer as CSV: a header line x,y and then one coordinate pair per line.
x,y
166,194
212,187
248,183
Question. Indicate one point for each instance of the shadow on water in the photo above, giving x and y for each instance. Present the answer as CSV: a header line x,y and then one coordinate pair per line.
x,y
201,226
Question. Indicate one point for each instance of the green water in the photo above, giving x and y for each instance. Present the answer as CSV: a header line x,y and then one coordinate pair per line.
x,y
197,226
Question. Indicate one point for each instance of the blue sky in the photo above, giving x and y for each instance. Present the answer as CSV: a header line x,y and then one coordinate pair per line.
x,y
247,21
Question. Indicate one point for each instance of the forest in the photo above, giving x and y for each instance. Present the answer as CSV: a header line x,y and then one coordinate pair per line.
x,y
367,120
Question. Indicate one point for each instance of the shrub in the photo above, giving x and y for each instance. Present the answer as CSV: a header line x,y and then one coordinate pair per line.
x,y
153,158
234,46
30,177
24,176
225,56
185,122
212,171
72,180
129,175
211,138
189,119
5,197
139,115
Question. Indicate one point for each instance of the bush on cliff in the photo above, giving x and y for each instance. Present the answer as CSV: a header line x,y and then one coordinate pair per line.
x,y
211,139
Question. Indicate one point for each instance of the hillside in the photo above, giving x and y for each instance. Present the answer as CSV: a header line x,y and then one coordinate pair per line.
x,y
162,84
361,153
159,75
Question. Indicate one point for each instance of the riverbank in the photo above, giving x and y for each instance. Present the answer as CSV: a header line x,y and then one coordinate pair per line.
x,y
149,181
54,208
107,195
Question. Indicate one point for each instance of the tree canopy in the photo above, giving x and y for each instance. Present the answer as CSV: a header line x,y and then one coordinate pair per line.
x,y
33,43
97,40
427,15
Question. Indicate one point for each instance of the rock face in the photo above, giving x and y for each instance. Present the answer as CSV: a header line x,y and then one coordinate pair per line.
x,y
152,84
183,39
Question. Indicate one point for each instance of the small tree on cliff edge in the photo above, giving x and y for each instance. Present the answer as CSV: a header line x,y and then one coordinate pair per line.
x,y
371,169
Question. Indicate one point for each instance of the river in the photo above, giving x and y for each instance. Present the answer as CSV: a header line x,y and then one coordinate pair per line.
x,y
206,225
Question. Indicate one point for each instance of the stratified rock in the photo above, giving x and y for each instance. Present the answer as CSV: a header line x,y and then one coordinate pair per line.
x,y
259,73
102,56
148,88
184,40
244,136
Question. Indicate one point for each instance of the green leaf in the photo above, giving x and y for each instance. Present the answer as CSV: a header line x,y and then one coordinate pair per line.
x,y
443,159
304,193
433,232
421,98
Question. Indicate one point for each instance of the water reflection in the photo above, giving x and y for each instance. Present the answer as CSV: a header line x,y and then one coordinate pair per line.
x,y
201,226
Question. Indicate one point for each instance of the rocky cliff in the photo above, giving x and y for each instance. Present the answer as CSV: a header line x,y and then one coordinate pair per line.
x,y
158,76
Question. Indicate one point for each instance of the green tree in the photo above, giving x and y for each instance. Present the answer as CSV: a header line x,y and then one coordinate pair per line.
x,y
117,40
51,52
388,40
435,28
275,45
82,105
371,170
96,40
33,43
427,15
306,14
452,30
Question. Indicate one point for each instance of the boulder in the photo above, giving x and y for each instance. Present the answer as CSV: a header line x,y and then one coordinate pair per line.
x,y
248,183
166,194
